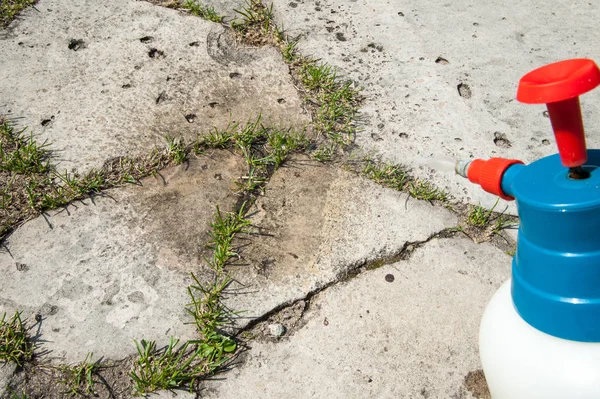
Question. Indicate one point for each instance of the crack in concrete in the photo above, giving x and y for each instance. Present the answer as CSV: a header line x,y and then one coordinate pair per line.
x,y
353,271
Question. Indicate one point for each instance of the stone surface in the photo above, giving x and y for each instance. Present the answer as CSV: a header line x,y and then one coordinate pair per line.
x,y
370,338
411,57
276,330
100,80
315,225
179,394
108,270
7,371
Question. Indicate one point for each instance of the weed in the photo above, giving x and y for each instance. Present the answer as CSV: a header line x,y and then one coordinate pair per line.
x,y
19,154
335,102
209,314
253,132
168,368
176,149
23,395
205,12
220,138
288,51
316,76
257,24
479,216
224,229
283,143
10,8
386,174
325,152
426,191
15,345
79,379
252,181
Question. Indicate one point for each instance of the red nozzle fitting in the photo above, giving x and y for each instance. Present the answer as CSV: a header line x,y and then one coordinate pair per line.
x,y
558,85
488,174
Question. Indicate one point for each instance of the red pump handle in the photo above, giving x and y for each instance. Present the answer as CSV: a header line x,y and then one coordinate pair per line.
x,y
559,85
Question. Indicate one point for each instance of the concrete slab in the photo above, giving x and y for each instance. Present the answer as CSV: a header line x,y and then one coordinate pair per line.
x,y
411,57
171,395
106,271
100,80
7,371
315,225
405,330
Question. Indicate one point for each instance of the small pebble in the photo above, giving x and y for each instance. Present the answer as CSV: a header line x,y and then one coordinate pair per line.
x,y
276,330
389,278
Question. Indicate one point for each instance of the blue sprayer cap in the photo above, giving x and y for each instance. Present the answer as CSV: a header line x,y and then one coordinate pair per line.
x,y
556,268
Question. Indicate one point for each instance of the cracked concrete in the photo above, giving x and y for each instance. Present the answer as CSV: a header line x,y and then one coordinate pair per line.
x,y
407,329
374,298
105,80
111,269
411,58
315,225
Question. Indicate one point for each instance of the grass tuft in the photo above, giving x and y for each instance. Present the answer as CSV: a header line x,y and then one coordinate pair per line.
x,y
79,379
176,149
169,368
10,8
174,367
21,154
206,12
396,177
15,345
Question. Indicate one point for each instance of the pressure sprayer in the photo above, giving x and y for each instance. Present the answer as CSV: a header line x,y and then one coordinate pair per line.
x,y
540,333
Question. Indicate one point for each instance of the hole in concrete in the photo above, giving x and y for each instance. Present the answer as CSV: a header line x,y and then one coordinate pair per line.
x,y
377,47
402,135
281,100
457,139
155,53
476,384
194,44
441,60
340,36
190,118
401,14
76,44
545,113
293,5
546,142
464,90
213,104
389,278
146,39
161,97
45,122
22,267
501,141
234,75
126,86
329,29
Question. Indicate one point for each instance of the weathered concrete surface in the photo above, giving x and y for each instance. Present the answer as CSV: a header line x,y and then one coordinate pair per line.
x,y
413,112
7,371
99,80
369,338
179,394
106,271
315,224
